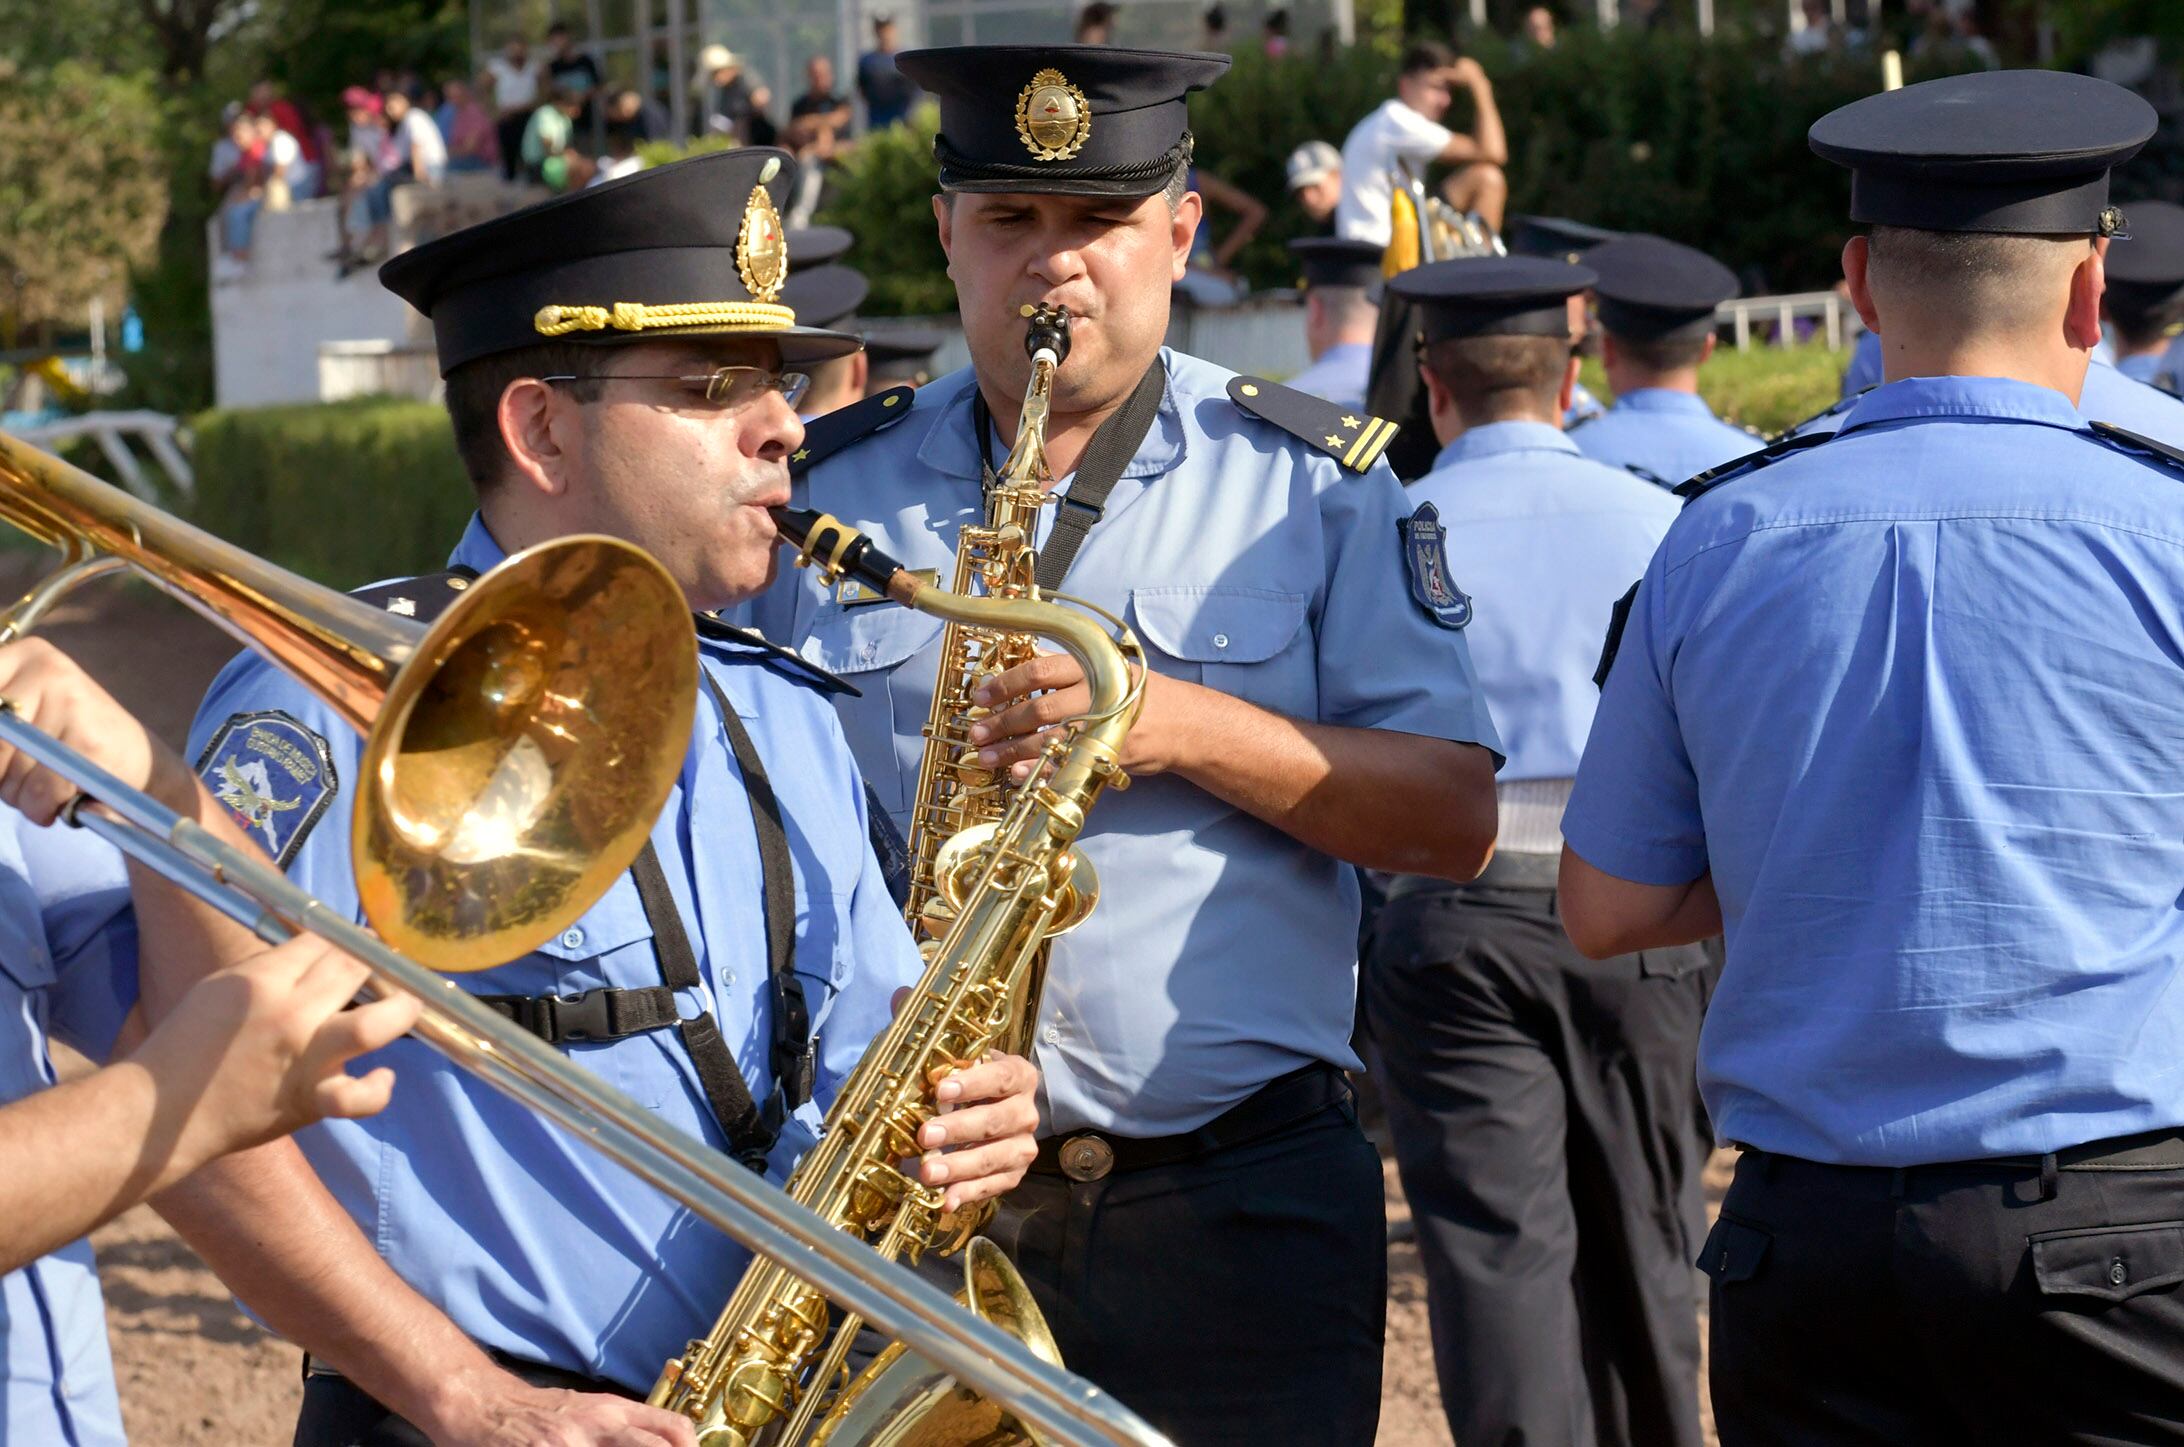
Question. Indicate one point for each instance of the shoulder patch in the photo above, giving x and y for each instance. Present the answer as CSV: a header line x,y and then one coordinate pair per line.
x,y
1729,471
825,436
1354,438
2134,442
756,647
424,598
275,774
1425,555
1618,620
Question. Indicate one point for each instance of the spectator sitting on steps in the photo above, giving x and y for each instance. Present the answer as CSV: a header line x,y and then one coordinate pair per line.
x,y
1407,130
548,156
473,142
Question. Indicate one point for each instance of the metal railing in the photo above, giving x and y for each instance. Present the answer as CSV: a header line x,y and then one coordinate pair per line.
x,y
160,435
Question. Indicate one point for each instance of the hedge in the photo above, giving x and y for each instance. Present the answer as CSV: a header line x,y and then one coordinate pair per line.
x,y
344,493
1701,140
349,492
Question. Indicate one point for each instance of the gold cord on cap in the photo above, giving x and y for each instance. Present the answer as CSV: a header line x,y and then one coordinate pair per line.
x,y
636,316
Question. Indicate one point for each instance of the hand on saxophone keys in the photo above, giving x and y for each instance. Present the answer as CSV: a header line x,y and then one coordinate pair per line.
x,y
983,1141
1029,701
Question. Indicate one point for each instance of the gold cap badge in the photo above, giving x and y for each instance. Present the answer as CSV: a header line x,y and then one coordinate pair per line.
x,y
762,251
1053,117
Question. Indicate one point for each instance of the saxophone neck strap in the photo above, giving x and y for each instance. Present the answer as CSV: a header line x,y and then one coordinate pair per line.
x,y
1105,457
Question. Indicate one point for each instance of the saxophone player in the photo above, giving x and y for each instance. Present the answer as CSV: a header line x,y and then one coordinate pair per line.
x,y
620,362
1204,1225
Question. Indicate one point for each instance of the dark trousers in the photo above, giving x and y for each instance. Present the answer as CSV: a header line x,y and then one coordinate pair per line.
x,y
1236,1297
337,1412
1545,1115
1943,1305
508,130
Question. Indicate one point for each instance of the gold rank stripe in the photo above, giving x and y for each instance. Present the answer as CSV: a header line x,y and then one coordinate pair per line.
x,y
1366,449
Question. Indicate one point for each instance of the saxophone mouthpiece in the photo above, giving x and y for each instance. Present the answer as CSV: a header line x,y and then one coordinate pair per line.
x,y
836,549
1049,330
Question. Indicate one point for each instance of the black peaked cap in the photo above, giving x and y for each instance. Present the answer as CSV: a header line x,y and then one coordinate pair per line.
x,y
1337,261
1083,120
2146,269
586,267
2018,152
1651,288
826,296
1556,236
1478,296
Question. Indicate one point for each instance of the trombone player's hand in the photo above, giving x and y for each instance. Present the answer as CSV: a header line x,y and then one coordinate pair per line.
x,y
261,1048
48,690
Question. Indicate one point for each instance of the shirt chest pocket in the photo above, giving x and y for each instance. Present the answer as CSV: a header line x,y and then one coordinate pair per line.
x,y
1250,643
875,648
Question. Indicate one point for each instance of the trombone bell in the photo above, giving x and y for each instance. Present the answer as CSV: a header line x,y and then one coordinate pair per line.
x,y
516,752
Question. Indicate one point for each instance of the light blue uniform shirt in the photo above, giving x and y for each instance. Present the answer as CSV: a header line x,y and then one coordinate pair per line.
x,y
68,972
1545,540
1915,697
1223,952
1340,375
529,1240
2108,396
2142,368
1663,435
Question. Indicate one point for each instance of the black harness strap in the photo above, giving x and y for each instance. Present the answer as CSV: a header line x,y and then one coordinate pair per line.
x,y
1105,457
792,1047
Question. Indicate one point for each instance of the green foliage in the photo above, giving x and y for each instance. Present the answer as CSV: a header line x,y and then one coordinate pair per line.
x,y
325,45
662,153
1767,389
343,493
82,193
883,193
173,373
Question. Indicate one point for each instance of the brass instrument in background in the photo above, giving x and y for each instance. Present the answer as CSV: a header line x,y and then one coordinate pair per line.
x,y
517,752
996,891
1423,227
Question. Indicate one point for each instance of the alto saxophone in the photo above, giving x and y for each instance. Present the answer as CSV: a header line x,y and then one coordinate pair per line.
x,y
959,800
767,1372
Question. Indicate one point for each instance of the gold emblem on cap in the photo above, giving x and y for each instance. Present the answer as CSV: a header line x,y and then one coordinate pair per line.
x,y
762,251
1053,117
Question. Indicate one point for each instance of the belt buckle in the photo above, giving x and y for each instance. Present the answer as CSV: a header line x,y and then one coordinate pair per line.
x,y
1086,1158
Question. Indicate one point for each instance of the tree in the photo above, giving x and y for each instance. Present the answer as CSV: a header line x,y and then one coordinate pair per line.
x,y
83,188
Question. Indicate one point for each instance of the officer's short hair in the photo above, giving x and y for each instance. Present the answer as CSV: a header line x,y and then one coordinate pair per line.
x,y
1345,304
1661,354
474,392
1501,373
1987,275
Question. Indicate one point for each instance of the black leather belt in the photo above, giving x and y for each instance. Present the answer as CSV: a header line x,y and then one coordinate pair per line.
x,y
2153,1150
1285,1101
1508,869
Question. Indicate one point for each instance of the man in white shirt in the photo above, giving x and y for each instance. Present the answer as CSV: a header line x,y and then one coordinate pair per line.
x,y
515,96
1408,129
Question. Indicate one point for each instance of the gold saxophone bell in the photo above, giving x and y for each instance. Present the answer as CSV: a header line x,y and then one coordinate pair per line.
x,y
516,750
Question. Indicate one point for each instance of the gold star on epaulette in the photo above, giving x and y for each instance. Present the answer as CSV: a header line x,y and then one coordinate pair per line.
x,y
800,454
1334,443
1349,421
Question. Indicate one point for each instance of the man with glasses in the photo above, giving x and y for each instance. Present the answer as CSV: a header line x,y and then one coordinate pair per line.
x,y
616,362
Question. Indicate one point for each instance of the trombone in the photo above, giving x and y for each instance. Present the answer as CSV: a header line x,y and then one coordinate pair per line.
x,y
503,786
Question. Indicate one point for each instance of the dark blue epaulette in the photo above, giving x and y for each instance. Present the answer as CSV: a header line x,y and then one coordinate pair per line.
x,y
1646,475
1833,408
424,597
827,435
750,645
2139,445
1729,471
1353,438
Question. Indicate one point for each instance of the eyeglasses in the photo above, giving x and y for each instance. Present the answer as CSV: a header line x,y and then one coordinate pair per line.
x,y
725,387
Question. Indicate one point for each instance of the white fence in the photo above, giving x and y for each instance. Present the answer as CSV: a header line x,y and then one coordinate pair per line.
x,y
113,431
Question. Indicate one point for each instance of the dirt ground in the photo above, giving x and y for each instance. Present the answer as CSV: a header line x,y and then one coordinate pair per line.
x,y
194,1371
